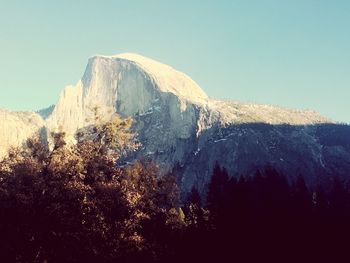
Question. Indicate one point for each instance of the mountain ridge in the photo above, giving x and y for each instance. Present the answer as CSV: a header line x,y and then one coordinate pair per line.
x,y
179,125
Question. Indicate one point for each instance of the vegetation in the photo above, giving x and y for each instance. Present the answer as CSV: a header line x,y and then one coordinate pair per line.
x,y
265,217
74,204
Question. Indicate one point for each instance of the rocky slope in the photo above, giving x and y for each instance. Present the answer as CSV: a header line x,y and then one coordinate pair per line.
x,y
184,130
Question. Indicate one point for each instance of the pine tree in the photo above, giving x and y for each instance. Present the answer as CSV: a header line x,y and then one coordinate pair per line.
x,y
217,194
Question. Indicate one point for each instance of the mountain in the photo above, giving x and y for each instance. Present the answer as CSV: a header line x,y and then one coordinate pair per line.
x,y
17,127
184,130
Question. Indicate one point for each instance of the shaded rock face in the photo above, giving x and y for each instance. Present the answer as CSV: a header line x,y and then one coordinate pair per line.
x,y
185,131
309,150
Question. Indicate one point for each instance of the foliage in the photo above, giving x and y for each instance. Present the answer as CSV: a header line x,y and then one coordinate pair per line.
x,y
74,204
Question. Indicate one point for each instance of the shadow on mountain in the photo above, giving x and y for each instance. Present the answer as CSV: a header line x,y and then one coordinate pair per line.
x,y
317,152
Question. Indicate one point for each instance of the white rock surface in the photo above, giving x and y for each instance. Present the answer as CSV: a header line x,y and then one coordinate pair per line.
x,y
131,84
238,112
16,127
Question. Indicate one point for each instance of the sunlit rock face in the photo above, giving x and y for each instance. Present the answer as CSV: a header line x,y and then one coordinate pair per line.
x,y
130,85
16,127
185,131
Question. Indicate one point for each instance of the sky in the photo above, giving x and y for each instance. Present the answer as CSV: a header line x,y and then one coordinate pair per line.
x,y
289,53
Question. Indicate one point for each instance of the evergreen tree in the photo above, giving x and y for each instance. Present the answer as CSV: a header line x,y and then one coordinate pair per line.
x,y
195,214
217,191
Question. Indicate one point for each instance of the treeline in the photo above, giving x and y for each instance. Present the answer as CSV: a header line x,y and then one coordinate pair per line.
x,y
73,204
266,217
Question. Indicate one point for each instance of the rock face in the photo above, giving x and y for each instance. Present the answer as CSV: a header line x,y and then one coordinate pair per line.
x,y
184,130
128,84
17,127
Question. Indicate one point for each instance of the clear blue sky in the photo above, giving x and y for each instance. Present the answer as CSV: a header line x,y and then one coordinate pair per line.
x,y
290,53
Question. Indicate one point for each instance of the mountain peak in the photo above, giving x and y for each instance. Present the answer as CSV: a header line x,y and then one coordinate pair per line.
x,y
166,78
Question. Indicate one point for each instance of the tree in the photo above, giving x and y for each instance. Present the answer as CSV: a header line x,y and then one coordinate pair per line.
x,y
195,214
217,194
301,197
73,203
